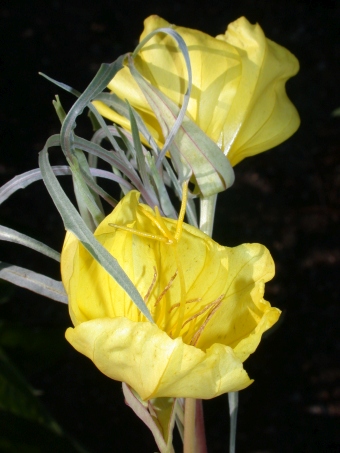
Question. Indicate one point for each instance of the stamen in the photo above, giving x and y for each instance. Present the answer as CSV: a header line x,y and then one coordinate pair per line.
x,y
217,304
183,294
190,301
203,310
159,222
168,238
174,306
159,298
140,233
147,295
187,302
182,211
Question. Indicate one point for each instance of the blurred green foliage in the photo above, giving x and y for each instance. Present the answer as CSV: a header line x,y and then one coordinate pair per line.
x,y
25,424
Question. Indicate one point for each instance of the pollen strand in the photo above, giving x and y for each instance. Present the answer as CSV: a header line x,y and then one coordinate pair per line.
x,y
159,298
160,224
216,304
182,211
147,295
182,295
140,233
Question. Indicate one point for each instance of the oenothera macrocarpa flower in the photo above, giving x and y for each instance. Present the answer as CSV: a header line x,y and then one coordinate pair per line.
x,y
238,97
206,301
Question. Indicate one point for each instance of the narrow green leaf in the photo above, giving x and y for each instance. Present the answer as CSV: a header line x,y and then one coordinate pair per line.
x,y
87,200
37,283
65,87
166,205
7,234
59,109
233,409
139,151
115,160
103,77
27,178
74,223
121,107
141,409
164,412
213,172
91,182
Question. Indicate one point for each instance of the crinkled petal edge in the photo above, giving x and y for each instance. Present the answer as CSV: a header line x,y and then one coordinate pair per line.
x,y
155,365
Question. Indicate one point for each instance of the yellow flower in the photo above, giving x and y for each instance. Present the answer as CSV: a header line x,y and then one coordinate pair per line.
x,y
206,301
238,97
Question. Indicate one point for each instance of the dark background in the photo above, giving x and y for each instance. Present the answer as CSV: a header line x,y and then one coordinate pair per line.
x,y
286,198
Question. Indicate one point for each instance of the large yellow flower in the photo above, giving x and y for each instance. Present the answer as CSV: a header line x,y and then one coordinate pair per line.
x,y
206,301
238,97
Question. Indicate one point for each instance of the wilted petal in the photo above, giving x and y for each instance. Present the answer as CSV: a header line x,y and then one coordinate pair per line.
x,y
153,364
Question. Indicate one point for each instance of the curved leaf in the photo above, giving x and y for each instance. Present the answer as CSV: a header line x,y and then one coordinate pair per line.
x,y
74,223
37,283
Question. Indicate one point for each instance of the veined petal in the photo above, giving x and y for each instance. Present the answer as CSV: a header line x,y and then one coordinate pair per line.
x,y
261,115
238,96
206,301
242,309
153,364
248,345
98,295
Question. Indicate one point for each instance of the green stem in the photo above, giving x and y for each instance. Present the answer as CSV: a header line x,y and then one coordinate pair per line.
x,y
207,214
189,444
233,407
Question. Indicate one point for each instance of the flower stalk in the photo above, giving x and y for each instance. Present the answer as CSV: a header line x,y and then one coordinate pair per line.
x,y
194,429
189,444
233,409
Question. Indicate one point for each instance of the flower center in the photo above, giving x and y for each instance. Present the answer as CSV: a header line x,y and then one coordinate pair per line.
x,y
177,321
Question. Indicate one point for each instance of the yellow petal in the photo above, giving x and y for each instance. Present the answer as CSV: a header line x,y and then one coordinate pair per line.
x,y
243,308
261,115
232,278
153,364
94,294
238,97
206,300
248,345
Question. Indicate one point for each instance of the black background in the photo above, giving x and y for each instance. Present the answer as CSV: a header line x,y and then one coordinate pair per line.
x,y
287,199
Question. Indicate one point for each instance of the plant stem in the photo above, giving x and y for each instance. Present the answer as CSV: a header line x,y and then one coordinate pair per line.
x,y
194,434
201,446
189,444
233,407
207,214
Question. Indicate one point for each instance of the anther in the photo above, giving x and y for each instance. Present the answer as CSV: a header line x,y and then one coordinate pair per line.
x,y
147,295
159,298
216,304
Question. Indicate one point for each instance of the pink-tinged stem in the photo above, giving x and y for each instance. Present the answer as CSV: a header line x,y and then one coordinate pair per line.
x,y
194,433
201,442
